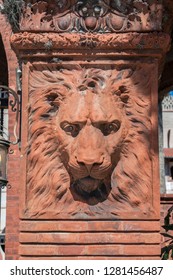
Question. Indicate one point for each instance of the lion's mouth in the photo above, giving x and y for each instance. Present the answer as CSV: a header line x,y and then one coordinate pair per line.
x,y
90,190
88,184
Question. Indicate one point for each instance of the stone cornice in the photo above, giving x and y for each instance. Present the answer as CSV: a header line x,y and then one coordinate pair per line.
x,y
96,16
49,42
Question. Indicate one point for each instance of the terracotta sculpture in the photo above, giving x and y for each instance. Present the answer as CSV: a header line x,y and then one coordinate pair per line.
x,y
89,152
103,16
88,139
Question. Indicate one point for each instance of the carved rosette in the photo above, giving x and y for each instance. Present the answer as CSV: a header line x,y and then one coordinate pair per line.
x,y
101,16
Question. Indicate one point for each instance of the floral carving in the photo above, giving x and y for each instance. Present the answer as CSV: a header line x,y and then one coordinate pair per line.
x,y
127,41
71,174
103,16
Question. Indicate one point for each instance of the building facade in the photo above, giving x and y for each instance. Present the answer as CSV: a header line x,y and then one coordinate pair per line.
x,y
167,107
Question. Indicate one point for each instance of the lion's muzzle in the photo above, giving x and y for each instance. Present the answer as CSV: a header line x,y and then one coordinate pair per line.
x,y
88,184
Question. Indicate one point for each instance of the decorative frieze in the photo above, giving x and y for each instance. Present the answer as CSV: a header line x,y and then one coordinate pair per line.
x,y
52,41
102,16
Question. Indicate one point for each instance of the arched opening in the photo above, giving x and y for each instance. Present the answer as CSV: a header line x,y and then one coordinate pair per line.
x,y
3,125
3,81
3,65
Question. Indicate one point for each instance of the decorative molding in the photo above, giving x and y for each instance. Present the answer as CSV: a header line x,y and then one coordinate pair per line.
x,y
52,41
94,16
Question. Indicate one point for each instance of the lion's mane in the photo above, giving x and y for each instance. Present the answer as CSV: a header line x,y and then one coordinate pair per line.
x,y
48,182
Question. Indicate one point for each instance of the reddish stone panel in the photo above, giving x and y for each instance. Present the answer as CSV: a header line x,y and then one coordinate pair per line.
x,y
91,258
89,226
91,238
123,192
114,195
12,215
75,238
92,250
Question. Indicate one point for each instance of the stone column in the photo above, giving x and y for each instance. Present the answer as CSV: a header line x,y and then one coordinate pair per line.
x,y
90,171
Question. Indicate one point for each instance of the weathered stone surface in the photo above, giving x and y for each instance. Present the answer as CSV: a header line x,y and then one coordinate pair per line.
x,y
92,250
92,16
89,226
91,238
48,42
90,177
89,139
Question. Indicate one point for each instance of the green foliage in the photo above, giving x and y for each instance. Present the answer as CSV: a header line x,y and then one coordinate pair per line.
x,y
167,251
13,9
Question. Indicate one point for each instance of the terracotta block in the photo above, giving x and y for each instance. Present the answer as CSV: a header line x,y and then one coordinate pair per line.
x,y
91,238
100,17
90,258
89,226
92,250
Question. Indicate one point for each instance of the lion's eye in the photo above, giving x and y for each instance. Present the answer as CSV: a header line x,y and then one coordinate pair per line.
x,y
109,128
72,129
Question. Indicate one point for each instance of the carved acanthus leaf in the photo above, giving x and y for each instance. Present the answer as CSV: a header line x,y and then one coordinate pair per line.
x,y
102,16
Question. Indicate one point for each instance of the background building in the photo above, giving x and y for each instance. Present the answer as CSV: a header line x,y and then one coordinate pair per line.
x,y
167,115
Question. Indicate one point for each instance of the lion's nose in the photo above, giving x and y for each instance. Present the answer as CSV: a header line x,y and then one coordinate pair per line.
x,y
89,165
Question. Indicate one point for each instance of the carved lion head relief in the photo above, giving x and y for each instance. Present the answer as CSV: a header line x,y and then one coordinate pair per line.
x,y
85,126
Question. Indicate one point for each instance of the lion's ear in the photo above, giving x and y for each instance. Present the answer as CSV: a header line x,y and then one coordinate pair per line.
x,y
123,93
124,98
53,96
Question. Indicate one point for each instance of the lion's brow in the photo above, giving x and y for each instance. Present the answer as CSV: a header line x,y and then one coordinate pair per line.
x,y
73,121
